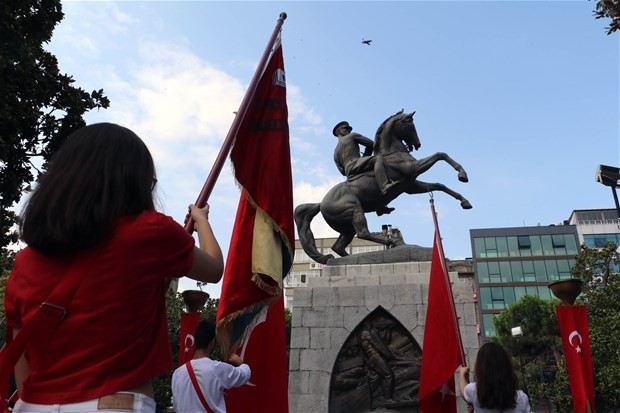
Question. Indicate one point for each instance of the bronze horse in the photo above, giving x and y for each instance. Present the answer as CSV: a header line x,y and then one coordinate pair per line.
x,y
344,205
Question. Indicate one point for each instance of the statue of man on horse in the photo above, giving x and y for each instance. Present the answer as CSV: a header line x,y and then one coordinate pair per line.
x,y
350,163
373,181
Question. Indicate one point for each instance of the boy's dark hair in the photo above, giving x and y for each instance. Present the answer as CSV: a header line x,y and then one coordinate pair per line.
x,y
205,333
102,171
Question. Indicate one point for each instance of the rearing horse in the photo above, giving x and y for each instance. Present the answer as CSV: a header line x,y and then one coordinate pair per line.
x,y
344,206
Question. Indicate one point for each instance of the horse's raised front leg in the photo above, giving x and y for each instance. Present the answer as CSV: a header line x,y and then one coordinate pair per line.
x,y
419,187
340,246
425,164
361,229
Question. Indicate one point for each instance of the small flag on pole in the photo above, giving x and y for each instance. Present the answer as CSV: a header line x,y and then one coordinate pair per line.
x,y
250,317
442,352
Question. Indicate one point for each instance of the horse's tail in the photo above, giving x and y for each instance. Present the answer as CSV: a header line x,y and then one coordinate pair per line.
x,y
303,216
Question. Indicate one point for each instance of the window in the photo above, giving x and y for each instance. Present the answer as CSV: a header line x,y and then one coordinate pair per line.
x,y
536,245
479,248
544,293
303,278
564,268
528,271
540,270
513,246
547,245
524,242
483,272
491,247
494,274
485,298
558,241
504,269
552,269
489,327
517,271
531,290
571,244
519,292
509,295
497,296
502,246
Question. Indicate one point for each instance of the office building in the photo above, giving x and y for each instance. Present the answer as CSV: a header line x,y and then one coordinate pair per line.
x,y
512,262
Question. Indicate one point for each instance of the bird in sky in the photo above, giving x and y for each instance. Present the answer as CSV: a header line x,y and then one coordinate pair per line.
x,y
366,42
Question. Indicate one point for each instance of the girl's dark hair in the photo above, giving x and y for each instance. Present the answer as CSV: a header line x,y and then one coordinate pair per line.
x,y
102,171
496,381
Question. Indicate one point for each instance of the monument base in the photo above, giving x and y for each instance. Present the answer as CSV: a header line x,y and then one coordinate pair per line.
x,y
334,311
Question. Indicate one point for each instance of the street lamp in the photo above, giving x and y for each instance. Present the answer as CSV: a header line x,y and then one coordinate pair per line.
x,y
609,176
517,332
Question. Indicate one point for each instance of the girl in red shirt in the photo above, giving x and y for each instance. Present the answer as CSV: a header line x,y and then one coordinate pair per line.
x,y
95,203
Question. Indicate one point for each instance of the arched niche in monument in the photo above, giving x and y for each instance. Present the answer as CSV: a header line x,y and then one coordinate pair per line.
x,y
377,368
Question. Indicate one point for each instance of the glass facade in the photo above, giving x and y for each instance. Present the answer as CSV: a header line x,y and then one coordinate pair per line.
x,y
512,262
525,246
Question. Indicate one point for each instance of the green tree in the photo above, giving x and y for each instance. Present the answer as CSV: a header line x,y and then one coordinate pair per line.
x,y
609,9
39,106
536,350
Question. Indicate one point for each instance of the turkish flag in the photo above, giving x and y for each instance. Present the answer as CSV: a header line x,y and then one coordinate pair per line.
x,y
189,322
264,349
573,321
441,353
250,314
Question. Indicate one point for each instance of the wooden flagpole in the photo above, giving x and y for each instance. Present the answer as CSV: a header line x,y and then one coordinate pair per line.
x,y
207,188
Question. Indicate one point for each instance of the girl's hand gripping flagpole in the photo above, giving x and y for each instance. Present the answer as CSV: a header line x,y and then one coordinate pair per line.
x,y
234,128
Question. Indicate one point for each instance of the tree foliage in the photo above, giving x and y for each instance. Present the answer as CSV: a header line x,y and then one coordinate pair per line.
x,y
598,269
39,106
535,351
609,9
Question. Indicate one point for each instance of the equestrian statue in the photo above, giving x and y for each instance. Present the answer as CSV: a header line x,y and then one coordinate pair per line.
x,y
385,170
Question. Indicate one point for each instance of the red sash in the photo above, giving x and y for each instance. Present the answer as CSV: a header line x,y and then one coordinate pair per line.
x,y
192,376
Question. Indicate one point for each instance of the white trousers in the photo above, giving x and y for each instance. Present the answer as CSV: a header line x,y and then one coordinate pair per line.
x,y
141,404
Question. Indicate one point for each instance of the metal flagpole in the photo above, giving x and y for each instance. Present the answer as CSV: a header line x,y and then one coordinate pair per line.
x,y
447,280
234,128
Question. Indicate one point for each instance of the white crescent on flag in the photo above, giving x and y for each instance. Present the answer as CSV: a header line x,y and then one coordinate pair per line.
x,y
572,335
189,338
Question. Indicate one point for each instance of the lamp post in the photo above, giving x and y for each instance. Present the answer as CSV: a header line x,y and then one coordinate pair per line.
x,y
517,332
573,323
609,176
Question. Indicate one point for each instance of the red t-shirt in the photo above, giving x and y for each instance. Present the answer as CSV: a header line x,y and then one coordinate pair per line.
x,y
115,335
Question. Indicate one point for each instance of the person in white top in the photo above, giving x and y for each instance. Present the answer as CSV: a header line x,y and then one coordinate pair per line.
x,y
213,377
495,389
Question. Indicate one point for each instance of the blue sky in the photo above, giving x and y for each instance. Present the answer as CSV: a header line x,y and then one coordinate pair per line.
x,y
524,94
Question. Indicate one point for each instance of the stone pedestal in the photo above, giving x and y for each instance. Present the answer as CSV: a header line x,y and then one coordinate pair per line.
x,y
333,305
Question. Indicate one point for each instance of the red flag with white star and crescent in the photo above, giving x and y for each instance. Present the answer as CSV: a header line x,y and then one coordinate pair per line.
x,y
573,321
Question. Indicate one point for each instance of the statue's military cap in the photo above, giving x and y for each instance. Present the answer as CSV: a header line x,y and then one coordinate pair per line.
x,y
339,125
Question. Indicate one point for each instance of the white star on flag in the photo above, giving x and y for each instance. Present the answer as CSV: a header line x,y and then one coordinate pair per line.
x,y
446,391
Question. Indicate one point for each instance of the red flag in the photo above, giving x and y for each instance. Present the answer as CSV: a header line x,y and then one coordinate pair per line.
x,y
573,321
260,252
442,352
189,322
